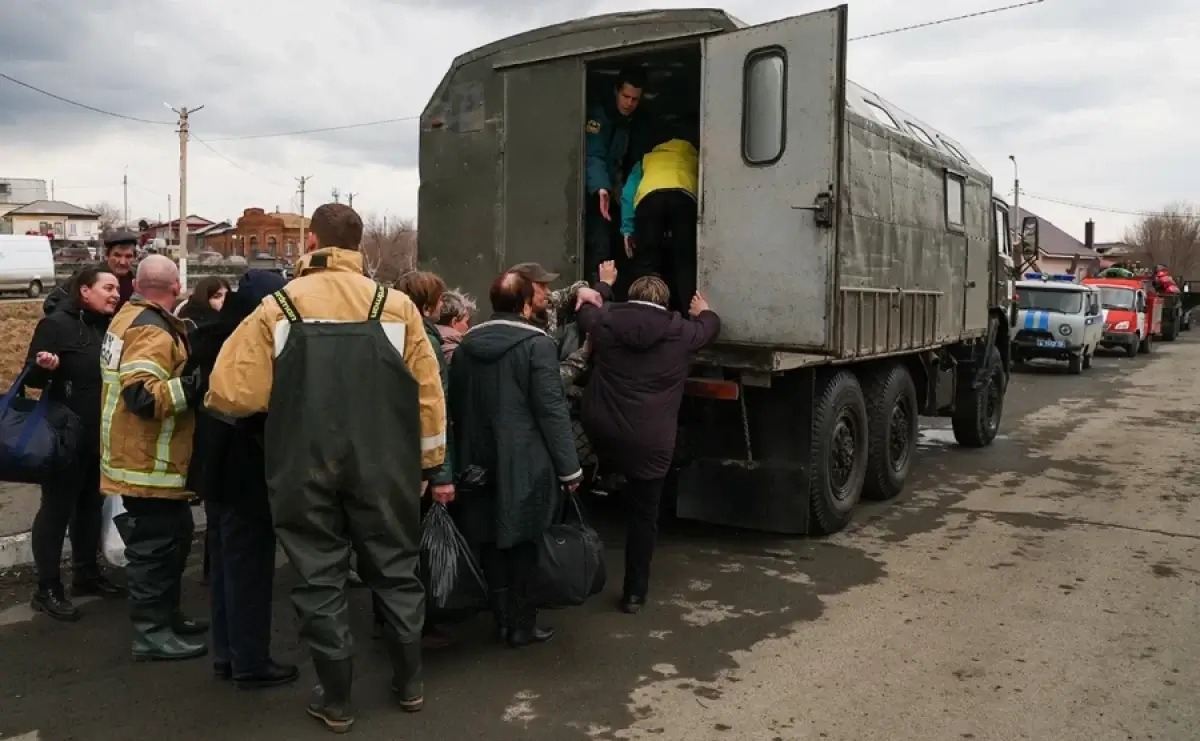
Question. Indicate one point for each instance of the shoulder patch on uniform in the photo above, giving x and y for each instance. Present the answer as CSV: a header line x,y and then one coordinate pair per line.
x,y
593,126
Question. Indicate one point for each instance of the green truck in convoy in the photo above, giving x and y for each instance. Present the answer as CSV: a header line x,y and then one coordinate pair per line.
x,y
862,270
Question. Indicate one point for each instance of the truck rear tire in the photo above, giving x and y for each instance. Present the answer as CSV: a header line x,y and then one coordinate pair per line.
x,y
838,463
1147,344
977,411
34,290
891,431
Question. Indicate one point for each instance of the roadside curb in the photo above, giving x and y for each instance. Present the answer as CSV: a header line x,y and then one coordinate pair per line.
x,y
17,550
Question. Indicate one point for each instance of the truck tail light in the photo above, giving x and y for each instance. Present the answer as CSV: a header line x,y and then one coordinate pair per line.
x,y
710,388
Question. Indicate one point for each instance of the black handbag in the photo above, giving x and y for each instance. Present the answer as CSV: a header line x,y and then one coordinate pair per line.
x,y
38,437
570,565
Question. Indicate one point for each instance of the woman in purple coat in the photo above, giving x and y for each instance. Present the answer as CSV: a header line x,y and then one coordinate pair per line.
x,y
641,352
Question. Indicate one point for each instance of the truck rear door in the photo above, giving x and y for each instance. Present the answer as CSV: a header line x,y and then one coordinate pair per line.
x,y
772,122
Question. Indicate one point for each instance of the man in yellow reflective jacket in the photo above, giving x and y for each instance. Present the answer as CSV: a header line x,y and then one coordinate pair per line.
x,y
356,421
146,427
658,216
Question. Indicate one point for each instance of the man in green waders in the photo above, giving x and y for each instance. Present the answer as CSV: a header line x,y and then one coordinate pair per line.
x,y
356,422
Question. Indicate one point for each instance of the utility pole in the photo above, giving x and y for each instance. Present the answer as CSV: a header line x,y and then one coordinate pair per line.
x,y
303,182
350,199
337,194
1017,212
125,195
168,218
52,190
183,112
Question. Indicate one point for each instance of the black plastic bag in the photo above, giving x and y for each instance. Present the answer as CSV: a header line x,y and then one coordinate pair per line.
x,y
37,437
454,583
570,565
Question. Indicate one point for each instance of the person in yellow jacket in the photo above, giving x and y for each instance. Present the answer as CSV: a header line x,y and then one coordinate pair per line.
x,y
658,216
356,421
146,427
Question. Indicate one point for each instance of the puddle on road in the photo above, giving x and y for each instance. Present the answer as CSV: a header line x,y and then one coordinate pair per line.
x,y
940,437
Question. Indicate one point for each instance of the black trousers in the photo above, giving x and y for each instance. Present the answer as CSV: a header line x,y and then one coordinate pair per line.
x,y
664,233
158,539
641,511
71,500
242,552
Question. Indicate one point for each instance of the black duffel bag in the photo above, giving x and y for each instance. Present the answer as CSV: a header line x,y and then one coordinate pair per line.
x,y
570,566
38,437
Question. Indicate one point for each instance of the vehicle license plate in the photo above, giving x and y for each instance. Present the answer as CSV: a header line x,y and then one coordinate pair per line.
x,y
1051,343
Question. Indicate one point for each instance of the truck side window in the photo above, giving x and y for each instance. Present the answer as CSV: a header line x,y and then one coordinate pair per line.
x,y
764,110
955,192
1003,235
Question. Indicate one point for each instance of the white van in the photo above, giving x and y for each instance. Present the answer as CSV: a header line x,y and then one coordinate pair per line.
x,y
26,264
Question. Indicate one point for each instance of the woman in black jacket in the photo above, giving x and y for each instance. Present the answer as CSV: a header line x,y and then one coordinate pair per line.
x,y
65,351
228,471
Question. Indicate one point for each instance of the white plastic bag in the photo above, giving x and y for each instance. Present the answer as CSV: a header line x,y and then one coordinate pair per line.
x,y
111,543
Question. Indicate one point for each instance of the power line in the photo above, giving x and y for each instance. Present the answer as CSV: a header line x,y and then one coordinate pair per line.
x,y
1106,209
943,21
210,148
84,106
317,131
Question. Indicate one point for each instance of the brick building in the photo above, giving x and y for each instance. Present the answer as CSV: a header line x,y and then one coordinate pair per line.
x,y
260,233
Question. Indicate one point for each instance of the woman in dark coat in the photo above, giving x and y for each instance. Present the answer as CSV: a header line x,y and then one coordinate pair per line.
x,y
510,422
65,351
201,309
426,291
641,353
229,472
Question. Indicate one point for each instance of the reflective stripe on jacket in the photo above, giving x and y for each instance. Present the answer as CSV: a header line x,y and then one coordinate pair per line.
x,y
332,288
673,165
146,425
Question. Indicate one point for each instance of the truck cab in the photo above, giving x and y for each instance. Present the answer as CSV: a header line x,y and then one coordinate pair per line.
x,y
1131,315
1057,319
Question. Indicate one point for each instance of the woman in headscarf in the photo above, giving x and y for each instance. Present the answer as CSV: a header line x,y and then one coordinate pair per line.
x,y
228,471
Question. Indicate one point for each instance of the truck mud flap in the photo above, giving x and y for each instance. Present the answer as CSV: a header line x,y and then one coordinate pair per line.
x,y
768,497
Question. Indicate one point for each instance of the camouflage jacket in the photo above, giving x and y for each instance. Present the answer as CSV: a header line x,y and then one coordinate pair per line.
x,y
558,304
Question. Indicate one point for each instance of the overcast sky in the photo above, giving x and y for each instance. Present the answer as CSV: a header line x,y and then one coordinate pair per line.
x,y
1098,99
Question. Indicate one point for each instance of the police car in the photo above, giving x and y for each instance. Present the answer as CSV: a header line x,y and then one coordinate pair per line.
x,y
1058,318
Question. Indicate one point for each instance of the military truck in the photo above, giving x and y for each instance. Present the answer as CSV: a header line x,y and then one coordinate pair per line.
x,y
858,257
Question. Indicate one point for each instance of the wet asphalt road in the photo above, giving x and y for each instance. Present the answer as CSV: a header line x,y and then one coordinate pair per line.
x,y
1043,589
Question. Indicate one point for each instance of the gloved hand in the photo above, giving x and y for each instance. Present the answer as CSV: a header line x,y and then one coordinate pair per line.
x,y
195,384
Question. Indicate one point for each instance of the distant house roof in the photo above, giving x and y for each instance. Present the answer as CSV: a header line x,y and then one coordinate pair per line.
x,y
291,221
216,228
52,208
1056,242
1115,248
174,223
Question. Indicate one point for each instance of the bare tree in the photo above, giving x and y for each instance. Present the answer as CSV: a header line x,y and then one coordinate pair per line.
x,y
389,247
1170,238
110,216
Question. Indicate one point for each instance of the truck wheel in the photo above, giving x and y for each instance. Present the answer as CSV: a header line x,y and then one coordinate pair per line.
x,y
839,453
891,431
35,289
1087,358
1075,364
1147,344
977,411
1131,350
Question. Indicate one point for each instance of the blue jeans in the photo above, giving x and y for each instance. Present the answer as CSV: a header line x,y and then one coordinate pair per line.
x,y
242,553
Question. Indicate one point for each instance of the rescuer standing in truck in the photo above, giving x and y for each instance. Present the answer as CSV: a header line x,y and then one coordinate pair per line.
x,y
611,126
357,422
658,215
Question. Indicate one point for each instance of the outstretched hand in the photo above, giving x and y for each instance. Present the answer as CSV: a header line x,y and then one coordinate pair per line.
x,y
588,296
699,305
